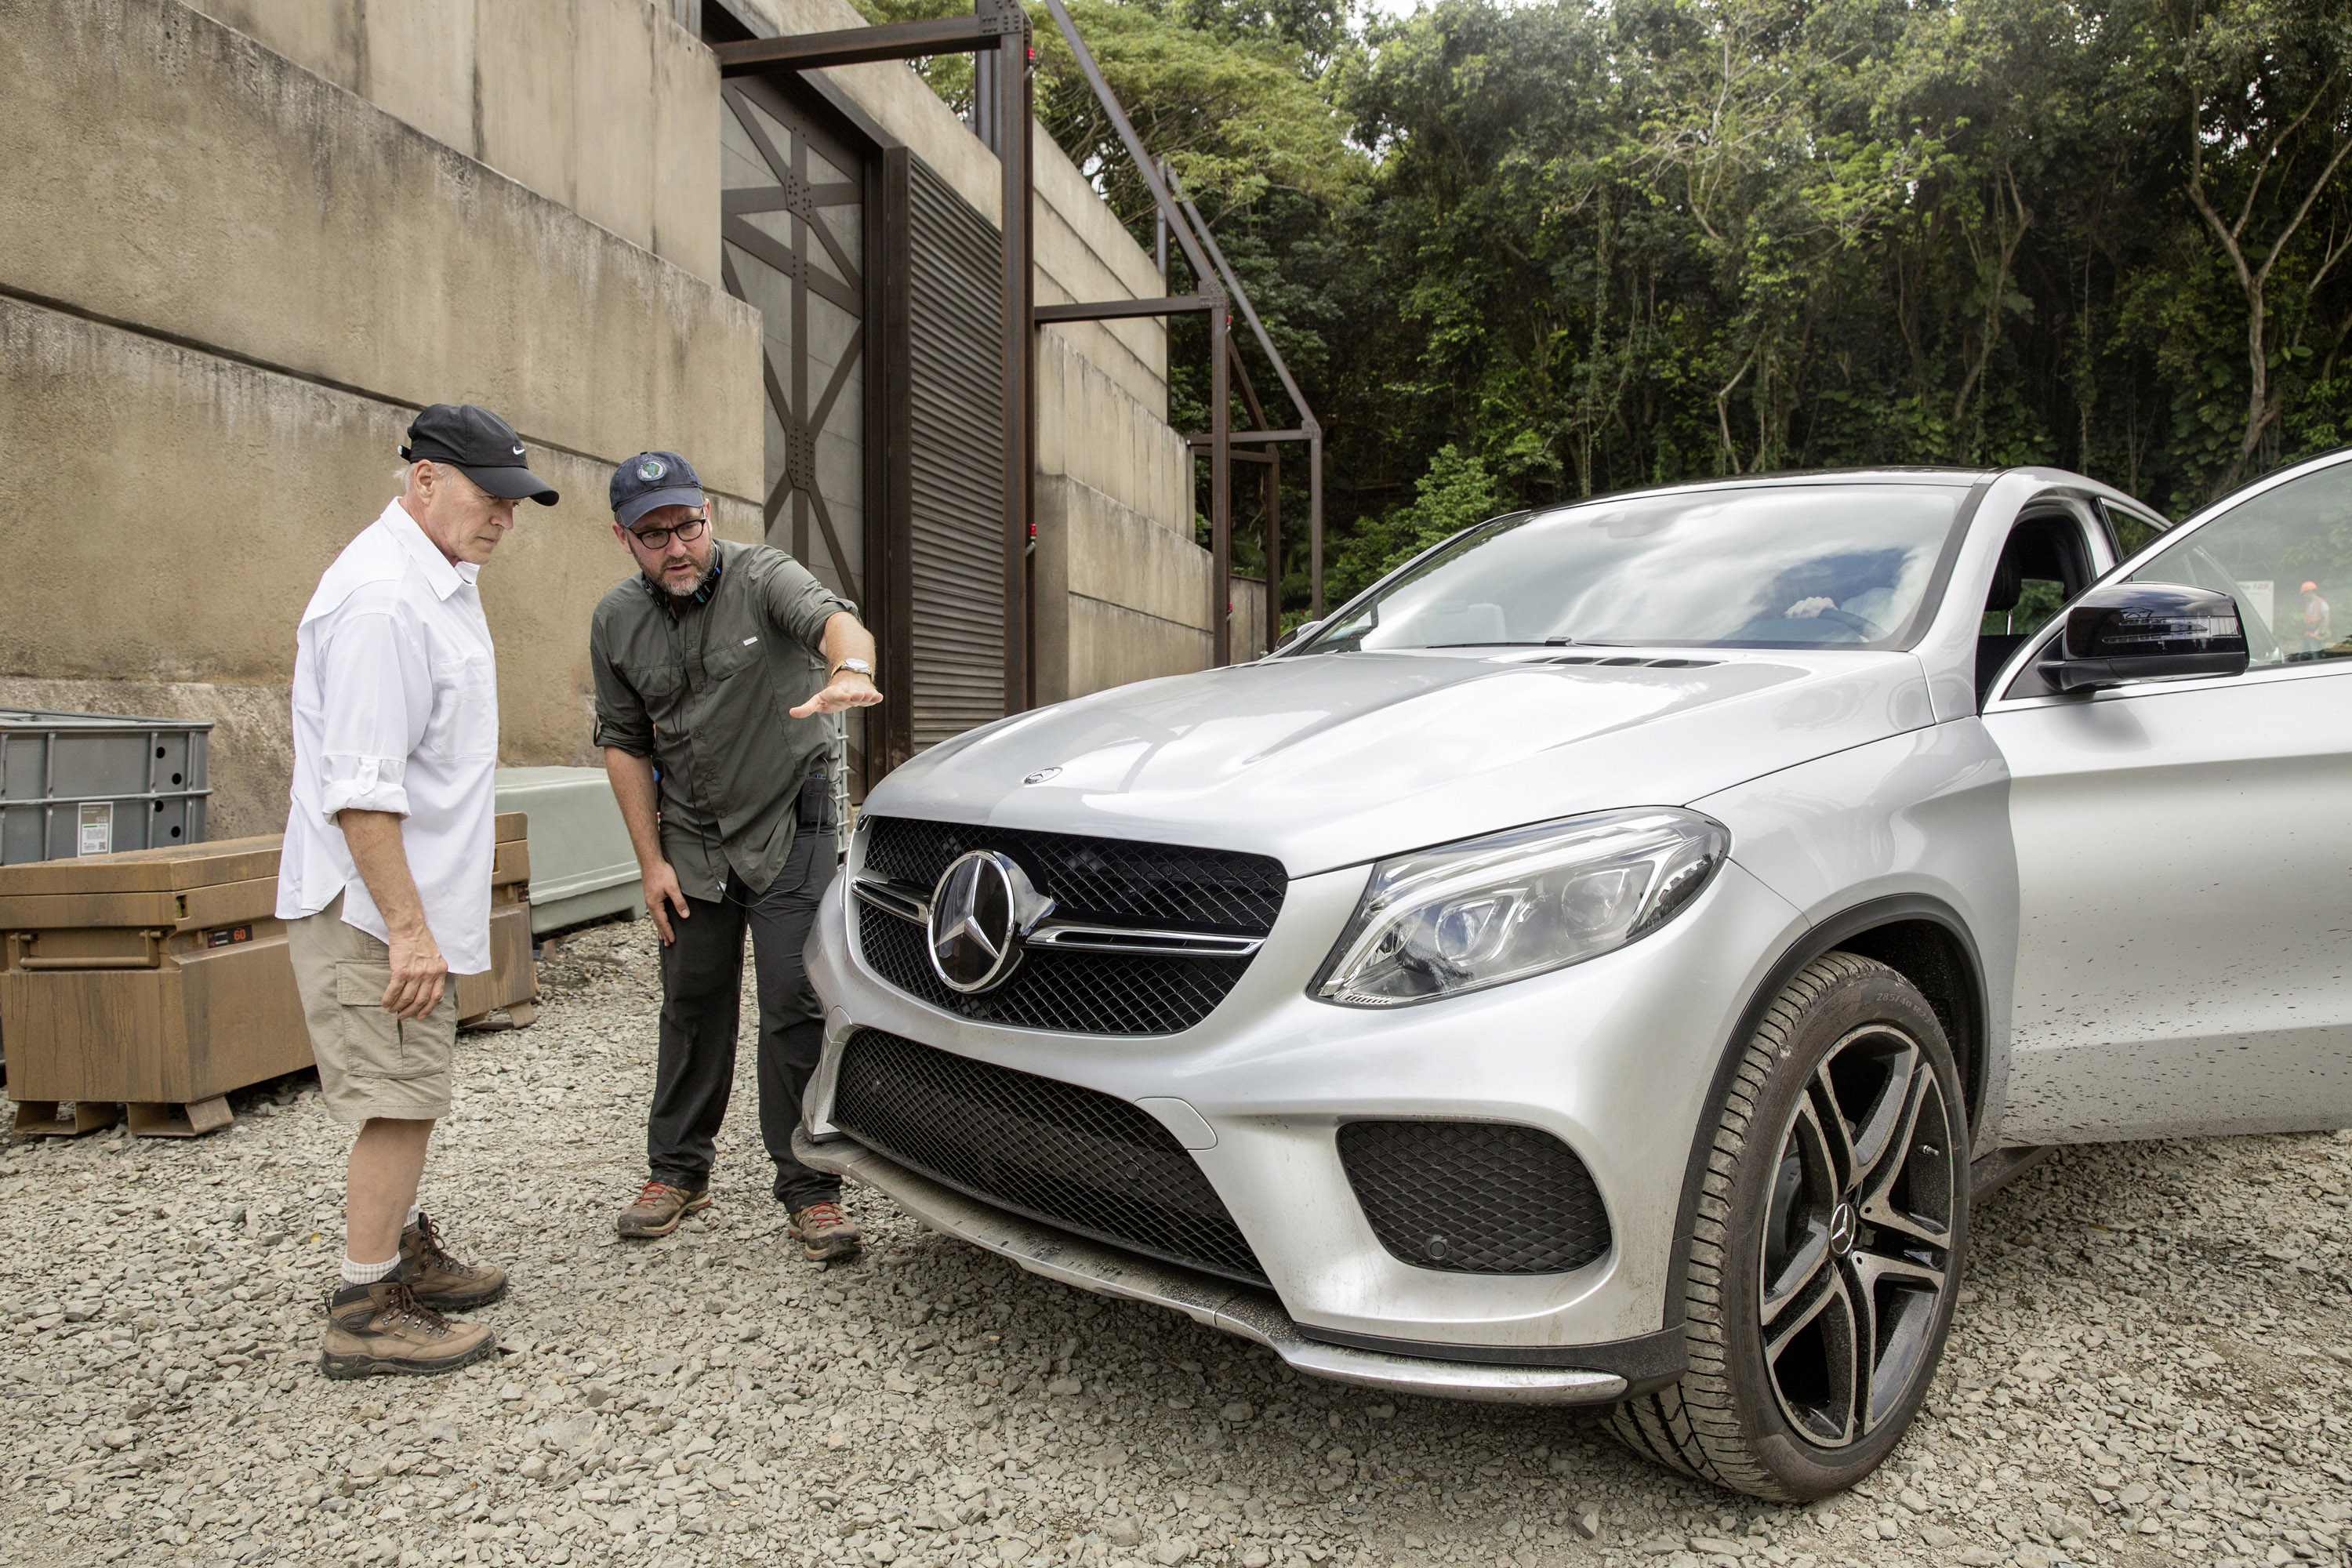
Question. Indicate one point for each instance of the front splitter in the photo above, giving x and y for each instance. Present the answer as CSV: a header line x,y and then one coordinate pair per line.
x,y
1233,1309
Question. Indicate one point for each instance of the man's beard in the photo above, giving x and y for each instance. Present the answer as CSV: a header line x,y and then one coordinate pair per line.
x,y
701,581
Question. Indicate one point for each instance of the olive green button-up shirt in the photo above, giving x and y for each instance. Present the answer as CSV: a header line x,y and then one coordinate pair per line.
x,y
704,689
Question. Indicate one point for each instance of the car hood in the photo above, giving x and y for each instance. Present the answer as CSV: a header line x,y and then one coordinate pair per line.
x,y
1330,760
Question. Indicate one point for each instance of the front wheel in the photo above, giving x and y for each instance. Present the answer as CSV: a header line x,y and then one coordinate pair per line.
x,y
1824,1257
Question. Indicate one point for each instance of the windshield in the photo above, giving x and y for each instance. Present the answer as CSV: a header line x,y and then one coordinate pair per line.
x,y
1832,566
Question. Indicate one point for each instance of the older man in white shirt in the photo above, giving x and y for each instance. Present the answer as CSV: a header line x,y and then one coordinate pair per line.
x,y
385,882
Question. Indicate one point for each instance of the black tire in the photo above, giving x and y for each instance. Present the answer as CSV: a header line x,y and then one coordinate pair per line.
x,y
1858,1210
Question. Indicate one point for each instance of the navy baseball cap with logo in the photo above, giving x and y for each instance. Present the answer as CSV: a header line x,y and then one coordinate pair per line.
x,y
650,479
480,446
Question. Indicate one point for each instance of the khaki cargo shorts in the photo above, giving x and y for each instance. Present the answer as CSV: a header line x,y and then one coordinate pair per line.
x,y
371,1064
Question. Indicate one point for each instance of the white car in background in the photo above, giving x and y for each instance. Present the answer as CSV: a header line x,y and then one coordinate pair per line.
x,y
1599,963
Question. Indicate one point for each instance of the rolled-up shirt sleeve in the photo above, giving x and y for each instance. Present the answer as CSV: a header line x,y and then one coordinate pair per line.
x,y
798,604
379,698
622,721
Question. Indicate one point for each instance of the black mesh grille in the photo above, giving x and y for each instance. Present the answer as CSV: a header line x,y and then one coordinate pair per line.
x,y
1166,885
1474,1198
1068,1156
1084,993
1110,880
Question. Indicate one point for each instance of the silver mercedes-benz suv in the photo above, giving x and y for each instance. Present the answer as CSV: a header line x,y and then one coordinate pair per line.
x,y
1601,962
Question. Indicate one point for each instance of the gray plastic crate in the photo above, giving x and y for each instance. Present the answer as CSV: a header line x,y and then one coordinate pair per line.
x,y
582,868
92,784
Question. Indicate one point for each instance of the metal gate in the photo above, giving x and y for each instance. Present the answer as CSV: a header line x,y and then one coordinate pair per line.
x,y
954,412
876,287
794,207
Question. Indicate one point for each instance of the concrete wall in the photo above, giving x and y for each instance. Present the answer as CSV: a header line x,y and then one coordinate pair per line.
x,y
603,106
172,175
240,245
1122,591
226,286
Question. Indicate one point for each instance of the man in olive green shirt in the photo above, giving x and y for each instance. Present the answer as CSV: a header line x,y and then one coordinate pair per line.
x,y
719,661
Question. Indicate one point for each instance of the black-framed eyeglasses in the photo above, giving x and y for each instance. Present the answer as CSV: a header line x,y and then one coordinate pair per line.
x,y
659,538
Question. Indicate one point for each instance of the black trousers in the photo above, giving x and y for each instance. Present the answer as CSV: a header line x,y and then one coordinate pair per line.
x,y
702,983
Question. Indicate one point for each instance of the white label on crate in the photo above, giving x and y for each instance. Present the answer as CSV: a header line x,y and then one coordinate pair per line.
x,y
96,828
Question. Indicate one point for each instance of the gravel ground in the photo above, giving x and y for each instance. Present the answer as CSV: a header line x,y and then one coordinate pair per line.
x,y
2152,1366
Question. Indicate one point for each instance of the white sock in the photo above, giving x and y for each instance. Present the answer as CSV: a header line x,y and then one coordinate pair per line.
x,y
369,1273
410,1223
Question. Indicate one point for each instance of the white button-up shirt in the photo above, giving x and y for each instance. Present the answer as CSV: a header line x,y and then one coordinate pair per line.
x,y
396,710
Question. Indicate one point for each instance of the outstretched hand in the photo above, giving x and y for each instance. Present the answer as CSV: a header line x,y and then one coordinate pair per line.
x,y
847,689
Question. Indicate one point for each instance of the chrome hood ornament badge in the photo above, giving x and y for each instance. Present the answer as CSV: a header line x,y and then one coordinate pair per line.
x,y
982,908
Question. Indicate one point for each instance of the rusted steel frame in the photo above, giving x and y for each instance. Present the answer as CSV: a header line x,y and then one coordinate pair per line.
x,y
856,45
1273,547
1315,525
1270,463
1204,276
1310,428
1257,436
1221,495
1206,280
1019,340
1249,388
1249,311
1119,310
1160,232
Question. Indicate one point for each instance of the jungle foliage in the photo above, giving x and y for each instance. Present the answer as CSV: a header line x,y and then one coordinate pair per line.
x,y
1530,252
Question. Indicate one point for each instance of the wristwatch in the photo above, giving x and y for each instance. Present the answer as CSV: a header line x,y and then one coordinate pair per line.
x,y
855,666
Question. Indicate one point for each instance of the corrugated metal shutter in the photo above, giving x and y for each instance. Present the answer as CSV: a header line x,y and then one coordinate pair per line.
x,y
955,427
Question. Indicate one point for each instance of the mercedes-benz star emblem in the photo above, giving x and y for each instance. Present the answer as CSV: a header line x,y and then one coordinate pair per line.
x,y
983,905
1842,1228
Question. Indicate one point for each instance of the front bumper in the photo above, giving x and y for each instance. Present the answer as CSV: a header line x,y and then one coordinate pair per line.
x,y
1614,1056
1233,1309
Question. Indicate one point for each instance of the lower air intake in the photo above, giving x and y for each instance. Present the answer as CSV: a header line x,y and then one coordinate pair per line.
x,y
1474,1198
1055,1152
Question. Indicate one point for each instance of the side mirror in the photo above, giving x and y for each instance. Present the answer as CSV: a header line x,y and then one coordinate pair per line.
x,y
1303,629
2145,631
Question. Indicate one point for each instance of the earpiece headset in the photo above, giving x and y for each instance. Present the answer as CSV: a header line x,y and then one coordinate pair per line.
x,y
701,595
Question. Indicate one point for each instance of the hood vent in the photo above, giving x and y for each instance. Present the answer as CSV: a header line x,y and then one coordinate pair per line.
x,y
1628,661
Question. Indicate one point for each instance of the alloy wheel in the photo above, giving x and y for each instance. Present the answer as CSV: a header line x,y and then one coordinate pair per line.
x,y
1857,1246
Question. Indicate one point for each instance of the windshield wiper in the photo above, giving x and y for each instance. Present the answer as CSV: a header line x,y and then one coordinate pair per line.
x,y
1527,642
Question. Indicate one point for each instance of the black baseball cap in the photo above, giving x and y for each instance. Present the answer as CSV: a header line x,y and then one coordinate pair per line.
x,y
479,444
650,479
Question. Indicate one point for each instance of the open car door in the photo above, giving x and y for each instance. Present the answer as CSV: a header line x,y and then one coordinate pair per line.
x,y
2184,849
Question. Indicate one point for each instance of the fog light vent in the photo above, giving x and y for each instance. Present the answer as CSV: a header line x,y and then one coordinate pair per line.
x,y
1474,1198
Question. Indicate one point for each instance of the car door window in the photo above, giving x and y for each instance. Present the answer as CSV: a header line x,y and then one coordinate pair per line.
x,y
2182,852
2284,555
2044,563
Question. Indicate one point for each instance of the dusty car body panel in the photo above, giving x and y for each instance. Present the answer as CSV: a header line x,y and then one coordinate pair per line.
x,y
1856,785
1273,1072
2222,799
1923,815
1324,763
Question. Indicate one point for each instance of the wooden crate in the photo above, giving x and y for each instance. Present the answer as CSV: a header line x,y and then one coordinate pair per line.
x,y
512,980
156,981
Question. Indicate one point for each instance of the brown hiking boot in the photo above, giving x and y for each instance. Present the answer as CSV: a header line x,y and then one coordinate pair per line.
x,y
658,1209
439,1280
824,1232
382,1328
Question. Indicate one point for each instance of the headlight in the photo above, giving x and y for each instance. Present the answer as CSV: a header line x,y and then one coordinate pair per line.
x,y
1465,916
